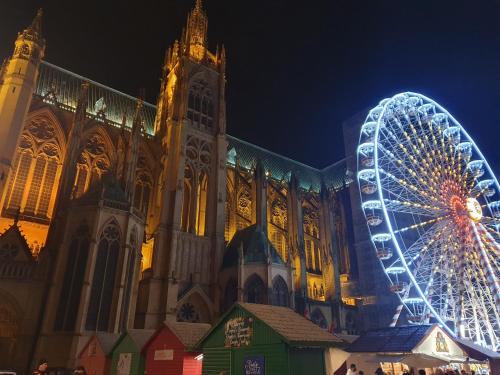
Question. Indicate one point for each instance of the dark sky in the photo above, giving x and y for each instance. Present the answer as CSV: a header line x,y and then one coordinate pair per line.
x,y
296,69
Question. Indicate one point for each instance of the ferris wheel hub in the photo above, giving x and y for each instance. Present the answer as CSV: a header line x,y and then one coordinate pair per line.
x,y
474,209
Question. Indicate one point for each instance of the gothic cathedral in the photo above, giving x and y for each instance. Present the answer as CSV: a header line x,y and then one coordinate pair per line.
x,y
119,214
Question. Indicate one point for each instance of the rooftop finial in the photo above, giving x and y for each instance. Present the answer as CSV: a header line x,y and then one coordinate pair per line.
x,y
36,25
17,216
198,5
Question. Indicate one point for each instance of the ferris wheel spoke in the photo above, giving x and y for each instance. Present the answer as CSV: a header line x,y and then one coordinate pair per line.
x,y
430,255
399,189
420,224
421,157
397,186
401,155
480,303
432,154
424,244
408,150
409,207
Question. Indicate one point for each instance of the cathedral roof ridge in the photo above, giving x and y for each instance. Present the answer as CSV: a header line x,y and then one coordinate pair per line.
x,y
92,82
274,153
116,105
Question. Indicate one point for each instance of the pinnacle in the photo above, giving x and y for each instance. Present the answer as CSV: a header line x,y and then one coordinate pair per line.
x,y
36,25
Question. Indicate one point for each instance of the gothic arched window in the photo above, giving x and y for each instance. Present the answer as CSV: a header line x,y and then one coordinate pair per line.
x,y
186,202
143,187
200,105
310,214
103,281
280,292
93,162
35,169
202,203
69,300
255,290
229,206
196,182
130,267
277,229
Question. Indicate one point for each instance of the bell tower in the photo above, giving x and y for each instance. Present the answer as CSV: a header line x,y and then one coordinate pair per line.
x,y
17,84
189,234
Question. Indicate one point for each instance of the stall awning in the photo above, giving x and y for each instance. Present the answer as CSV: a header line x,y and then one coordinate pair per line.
x,y
477,352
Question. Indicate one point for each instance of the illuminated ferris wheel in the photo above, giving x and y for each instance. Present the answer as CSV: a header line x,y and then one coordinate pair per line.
x,y
432,205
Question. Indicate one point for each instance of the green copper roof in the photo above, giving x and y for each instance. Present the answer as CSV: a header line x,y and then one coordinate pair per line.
x,y
256,247
66,86
281,168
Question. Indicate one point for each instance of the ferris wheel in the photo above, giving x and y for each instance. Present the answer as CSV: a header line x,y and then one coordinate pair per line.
x,y
432,205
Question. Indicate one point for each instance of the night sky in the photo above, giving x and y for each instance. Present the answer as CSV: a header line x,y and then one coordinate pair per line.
x,y
296,70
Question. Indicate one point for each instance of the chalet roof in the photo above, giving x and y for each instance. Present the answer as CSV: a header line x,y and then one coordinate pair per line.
x,y
138,336
107,341
390,339
477,352
256,247
294,328
188,333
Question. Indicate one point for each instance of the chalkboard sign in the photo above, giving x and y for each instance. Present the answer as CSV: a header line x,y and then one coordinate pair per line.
x,y
254,365
238,332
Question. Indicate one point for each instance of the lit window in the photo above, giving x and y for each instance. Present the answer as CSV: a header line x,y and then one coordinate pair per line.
x,y
200,105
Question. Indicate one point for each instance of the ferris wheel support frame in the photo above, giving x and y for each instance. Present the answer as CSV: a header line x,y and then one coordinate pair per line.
x,y
422,290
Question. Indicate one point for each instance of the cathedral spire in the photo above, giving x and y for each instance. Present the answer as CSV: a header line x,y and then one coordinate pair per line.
x,y
33,32
36,25
196,31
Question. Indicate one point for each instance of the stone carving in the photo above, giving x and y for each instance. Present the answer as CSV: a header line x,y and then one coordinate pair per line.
x,y
279,216
41,129
95,145
245,203
198,152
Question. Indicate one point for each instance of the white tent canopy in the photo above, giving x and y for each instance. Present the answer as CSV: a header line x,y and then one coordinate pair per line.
x,y
419,347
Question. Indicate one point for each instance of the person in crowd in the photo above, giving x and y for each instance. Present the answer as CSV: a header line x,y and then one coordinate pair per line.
x,y
361,372
41,369
421,372
352,370
379,371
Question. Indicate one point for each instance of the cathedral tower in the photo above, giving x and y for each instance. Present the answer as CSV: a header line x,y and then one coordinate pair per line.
x,y
17,84
188,230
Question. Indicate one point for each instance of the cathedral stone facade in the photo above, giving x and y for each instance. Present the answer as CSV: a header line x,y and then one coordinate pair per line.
x,y
119,214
